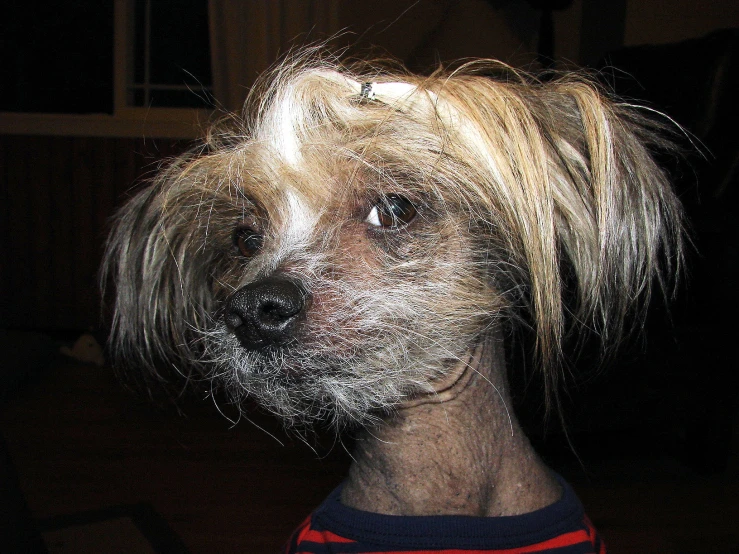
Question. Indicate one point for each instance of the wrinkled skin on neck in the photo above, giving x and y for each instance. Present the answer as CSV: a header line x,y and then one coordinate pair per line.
x,y
457,452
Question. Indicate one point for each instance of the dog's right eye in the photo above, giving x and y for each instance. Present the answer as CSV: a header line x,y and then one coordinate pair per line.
x,y
248,241
391,212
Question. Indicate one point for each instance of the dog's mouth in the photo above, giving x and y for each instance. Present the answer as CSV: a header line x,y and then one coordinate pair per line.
x,y
349,374
340,351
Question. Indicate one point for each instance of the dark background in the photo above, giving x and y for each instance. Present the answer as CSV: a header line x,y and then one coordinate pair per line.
x,y
669,400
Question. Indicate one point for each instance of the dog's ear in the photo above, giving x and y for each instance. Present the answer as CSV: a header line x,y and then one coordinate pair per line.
x,y
159,265
618,222
567,179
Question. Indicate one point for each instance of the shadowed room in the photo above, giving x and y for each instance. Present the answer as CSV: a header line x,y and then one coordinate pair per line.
x,y
97,97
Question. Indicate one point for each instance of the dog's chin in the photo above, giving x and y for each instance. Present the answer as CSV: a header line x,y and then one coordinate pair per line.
x,y
310,386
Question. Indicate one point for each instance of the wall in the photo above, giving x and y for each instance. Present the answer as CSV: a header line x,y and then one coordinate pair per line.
x,y
424,33
56,197
57,193
663,21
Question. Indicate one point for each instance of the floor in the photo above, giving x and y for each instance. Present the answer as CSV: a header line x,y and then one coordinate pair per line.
x,y
80,442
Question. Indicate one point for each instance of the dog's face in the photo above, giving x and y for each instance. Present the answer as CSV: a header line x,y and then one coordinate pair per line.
x,y
345,282
346,245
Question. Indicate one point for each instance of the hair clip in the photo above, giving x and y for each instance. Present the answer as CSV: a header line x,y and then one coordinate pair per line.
x,y
366,91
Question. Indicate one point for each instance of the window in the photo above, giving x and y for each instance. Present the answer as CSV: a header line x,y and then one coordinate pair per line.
x,y
105,67
57,57
170,65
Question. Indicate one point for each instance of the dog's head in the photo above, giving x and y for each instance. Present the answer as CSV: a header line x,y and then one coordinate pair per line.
x,y
351,238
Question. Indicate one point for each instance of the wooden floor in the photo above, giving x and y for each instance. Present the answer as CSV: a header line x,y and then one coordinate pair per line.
x,y
79,442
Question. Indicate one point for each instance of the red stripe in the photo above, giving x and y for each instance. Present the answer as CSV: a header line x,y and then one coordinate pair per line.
x,y
568,539
594,538
539,547
305,533
323,537
297,535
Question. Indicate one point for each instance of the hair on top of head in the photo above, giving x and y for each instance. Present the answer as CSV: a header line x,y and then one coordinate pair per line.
x,y
567,167
552,177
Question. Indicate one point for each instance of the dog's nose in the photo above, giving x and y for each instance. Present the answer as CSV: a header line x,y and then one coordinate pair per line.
x,y
265,313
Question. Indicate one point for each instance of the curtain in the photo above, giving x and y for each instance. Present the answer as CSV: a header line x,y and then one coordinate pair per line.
x,y
248,36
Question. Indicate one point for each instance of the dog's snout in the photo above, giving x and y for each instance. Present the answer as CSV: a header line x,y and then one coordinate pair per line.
x,y
266,313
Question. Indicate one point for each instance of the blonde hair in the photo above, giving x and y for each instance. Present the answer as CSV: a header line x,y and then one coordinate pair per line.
x,y
558,176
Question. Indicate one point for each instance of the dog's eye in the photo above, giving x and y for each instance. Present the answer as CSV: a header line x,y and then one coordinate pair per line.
x,y
392,211
248,241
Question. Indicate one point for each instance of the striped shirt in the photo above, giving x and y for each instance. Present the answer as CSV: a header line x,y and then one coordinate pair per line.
x,y
562,528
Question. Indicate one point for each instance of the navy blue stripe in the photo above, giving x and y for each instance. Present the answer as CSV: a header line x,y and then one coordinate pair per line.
x,y
440,532
356,548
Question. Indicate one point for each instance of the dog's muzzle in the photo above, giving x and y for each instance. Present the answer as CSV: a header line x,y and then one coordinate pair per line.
x,y
266,313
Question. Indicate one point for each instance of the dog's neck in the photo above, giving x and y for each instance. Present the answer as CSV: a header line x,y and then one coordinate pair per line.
x,y
460,451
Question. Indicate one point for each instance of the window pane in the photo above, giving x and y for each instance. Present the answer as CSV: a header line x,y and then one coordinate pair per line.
x,y
57,57
178,52
139,41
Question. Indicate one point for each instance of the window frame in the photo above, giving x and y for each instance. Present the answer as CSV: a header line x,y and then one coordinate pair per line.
x,y
126,121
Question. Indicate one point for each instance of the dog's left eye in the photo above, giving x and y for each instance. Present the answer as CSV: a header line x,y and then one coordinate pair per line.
x,y
392,211
248,241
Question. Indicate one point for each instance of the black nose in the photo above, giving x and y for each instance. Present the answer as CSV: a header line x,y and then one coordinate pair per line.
x,y
265,313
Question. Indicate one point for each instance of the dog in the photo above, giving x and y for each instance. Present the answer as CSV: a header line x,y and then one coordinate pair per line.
x,y
357,250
